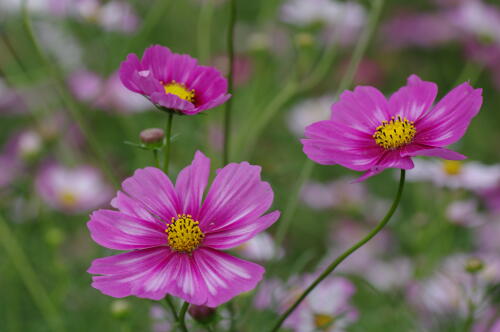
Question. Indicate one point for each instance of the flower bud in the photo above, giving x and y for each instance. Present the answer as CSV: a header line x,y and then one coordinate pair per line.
x,y
120,308
474,265
152,137
201,313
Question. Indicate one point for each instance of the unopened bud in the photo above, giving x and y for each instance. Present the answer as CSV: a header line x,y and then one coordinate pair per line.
x,y
152,137
201,313
120,308
474,265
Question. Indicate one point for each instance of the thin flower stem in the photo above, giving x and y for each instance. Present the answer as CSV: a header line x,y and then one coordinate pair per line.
x,y
168,138
67,98
157,160
40,295
182,317
230,81
346,254
204,30
171,306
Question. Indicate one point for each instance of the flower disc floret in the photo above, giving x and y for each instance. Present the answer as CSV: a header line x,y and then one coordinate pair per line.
x,y
395,133
184,234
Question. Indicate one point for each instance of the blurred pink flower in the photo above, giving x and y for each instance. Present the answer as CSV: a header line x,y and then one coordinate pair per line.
x,y
453,174
327,308
369,133
173,81
176,238
243,67
465,213
342,193
307,112
260,248
72,190
386,275
11,101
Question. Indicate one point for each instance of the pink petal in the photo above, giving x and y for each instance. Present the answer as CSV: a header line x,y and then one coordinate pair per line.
x,y
154,191
191,183
225,276
330,142
144,273
131,207
237,195
137,79
179,68
155,57
391,159
239,233
414,99
115,230
429,151
364,109
447,122
173,102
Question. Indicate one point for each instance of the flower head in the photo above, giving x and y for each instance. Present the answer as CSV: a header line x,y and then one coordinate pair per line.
x,y
174,81
72,190
367,132
175,237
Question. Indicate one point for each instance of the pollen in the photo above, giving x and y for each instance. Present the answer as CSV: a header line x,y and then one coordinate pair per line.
x,y
395,133
184,234
322,321
452,167
180,91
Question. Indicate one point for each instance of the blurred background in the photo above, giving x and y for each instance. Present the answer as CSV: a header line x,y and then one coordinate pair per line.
x,y
69,134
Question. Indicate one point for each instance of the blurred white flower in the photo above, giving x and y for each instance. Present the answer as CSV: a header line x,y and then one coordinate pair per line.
x,y
307,112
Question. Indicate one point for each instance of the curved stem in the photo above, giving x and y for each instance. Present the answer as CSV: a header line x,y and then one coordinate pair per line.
x,y
182,317
171,306
168,135
346,254
229,103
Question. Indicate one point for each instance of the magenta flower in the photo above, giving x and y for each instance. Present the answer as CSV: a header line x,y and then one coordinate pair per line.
x,y
176,237
174,81
367,132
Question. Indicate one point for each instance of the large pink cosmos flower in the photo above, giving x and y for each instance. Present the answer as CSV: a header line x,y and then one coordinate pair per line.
x,y
367,132
174,81
176,239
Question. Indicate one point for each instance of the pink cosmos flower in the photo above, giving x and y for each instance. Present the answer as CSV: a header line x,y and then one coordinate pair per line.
x,y
174,81
367,132
72,190
175,237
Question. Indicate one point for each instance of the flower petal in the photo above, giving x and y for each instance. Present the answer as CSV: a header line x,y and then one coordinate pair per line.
x,y
115,230
155,57
447,122
414,99
225,276
144,273
430,151
363,109
137,79
330,142
173,102
153,189
191,183
239,233
237,195
391,159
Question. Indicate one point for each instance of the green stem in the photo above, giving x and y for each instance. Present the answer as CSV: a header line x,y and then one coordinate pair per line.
x,y
204,30
168,136
171,306
67,98
230,80
346,254
29,276
182,317
156,159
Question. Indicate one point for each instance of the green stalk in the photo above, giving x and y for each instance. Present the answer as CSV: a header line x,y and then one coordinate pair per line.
x,y
168,138
39,294
171,306
182,317
204,30
230,80
346,254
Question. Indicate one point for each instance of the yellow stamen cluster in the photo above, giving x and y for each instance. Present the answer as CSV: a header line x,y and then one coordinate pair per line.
x,y
321,321
452,167
68,199
184,234
180,91
395,133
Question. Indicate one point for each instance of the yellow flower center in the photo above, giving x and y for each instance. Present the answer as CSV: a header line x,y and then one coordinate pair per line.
x,y
184,234
68,199
322,321
179,90
395,133
452,167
